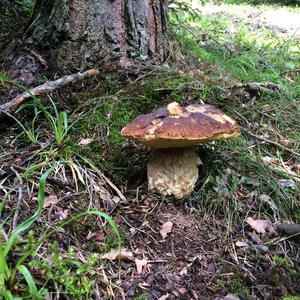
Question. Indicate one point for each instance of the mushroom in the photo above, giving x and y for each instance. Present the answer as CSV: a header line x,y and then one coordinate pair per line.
x,y
172,132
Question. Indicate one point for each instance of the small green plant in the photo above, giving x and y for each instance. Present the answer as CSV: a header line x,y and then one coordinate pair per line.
x,y
291,297
8,245
141,296
75,277
8,271
31,132
280,262
58,122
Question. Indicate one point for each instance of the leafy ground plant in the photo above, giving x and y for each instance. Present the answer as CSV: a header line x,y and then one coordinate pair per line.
x,y
10,283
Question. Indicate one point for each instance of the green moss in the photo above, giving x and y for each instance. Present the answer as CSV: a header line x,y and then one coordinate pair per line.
x,y
141,296
238,286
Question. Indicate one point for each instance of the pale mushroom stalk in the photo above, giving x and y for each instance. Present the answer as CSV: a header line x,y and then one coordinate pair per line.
x,y
173,171
172,132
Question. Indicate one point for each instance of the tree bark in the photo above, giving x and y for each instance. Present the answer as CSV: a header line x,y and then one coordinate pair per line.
x,y
79,34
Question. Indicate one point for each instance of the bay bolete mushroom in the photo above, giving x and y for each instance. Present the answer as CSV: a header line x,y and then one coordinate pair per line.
x,y
172,132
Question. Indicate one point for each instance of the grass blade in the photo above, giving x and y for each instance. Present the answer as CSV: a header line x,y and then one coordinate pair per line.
x,y
31,284
25,225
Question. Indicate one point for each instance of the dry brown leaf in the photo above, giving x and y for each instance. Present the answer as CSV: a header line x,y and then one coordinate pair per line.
x,y
164,297
255,238
115,254
62,214
241,244
166,229
267,199
268,159
261,226
183,272
50,200
140,264
85,141
296,168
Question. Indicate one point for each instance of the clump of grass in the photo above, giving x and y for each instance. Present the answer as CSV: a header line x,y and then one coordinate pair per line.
x,y
11,284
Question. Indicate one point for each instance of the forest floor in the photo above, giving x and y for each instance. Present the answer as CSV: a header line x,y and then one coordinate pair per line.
x,y
224,240
280,20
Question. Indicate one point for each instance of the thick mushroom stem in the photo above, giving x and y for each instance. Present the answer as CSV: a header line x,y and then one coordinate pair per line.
x,y
173,171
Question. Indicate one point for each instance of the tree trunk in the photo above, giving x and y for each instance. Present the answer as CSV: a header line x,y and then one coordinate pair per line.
x,y
112,34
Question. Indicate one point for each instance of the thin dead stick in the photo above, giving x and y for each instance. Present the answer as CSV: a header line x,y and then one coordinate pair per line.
x,y
46,87
120,194
297,70
256,86
271,142
20,197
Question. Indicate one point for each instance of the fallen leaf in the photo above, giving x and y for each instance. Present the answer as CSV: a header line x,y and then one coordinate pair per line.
x,y
231,297
268,159
62,214
241,244
116,199
166,229
50,200
254,237
140,264
85,141
267,199
96,236
164,297
183,272
260,226
115,254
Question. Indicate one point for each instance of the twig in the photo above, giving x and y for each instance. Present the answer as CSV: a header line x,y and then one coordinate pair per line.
x,y
20,197
256,86
48,86
297,70
113,186
271,142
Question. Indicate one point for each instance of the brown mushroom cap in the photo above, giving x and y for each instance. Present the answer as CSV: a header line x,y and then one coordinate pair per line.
x,y
177,126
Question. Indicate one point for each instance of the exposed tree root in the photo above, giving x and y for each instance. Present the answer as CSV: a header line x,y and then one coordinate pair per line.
x,y
46,87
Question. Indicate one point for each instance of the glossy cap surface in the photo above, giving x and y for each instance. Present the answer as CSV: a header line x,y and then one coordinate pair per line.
x,y
177,126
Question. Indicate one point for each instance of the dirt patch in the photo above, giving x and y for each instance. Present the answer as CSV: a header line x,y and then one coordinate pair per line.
x,y
197,259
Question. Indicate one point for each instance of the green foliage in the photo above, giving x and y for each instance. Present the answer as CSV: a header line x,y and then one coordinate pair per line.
x,y
75,276
141,296
58,122
247,55
237,286
7,270
291,297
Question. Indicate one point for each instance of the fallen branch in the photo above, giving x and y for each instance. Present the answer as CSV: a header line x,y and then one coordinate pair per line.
x,y
48,86
256,86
